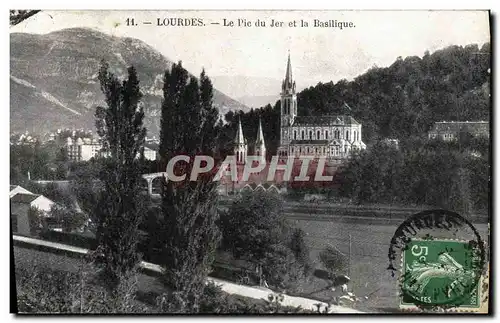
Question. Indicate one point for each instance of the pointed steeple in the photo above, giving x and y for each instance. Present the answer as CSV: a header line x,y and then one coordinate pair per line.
x,y
240,146
260,135
239,140
260,146
288,75
288,83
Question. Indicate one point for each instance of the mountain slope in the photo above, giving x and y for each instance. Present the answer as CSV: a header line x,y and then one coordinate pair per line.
x,y
54,78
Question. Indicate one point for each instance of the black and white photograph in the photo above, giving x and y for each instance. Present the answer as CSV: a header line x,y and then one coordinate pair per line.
x,y
250,162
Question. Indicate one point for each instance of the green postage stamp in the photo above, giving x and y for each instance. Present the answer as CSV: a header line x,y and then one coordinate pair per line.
x,y
441,274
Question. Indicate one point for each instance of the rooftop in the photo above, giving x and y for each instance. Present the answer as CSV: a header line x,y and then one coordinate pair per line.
x,y
324,120
24,198
471,126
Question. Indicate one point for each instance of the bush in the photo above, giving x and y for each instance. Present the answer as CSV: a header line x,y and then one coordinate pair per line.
x,y
43,290
69,219
334,261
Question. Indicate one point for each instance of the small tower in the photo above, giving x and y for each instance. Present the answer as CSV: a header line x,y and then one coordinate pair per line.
x,y
240,145
260,145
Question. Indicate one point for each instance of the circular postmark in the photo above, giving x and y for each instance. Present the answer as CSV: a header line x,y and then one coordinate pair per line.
x,y
442,260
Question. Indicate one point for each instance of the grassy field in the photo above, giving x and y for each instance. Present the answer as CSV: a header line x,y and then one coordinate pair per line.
x,y
370,241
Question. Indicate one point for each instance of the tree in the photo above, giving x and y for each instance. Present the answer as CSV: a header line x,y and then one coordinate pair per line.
x,y
17,16
398,101
69,219
300,249
119,211
255,229
189,208
35,218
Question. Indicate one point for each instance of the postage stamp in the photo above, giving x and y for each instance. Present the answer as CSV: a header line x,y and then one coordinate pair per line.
x,y
439,273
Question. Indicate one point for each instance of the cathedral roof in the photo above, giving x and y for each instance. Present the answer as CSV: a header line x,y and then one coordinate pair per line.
x,y
324,120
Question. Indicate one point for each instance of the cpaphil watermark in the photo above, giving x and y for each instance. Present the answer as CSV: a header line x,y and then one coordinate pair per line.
x,y
283,169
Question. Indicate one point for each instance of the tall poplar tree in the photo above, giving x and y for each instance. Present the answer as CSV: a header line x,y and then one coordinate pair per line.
x,y
118,211
189,127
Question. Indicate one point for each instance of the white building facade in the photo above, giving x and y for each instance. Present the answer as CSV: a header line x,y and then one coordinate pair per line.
x,y
79,149
333,137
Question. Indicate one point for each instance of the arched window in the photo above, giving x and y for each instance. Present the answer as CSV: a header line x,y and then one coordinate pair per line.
x,y
300,150
355,135
292,150
302,134
318,135
347,135
310,134
295,135
326,134
316,150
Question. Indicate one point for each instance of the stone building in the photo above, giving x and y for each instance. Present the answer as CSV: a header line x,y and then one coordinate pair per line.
x,y
450,130
333,137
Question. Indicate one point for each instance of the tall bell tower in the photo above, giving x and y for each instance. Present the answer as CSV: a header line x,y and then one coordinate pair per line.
x,y
288,105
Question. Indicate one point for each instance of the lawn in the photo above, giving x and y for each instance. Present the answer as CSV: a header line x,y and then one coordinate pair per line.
x,y
370,240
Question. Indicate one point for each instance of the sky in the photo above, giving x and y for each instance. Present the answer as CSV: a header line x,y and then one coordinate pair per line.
x,y
318,54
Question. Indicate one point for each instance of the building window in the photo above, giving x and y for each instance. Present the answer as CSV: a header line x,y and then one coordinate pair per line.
x,y
292,150
318,135
310,134
295,135
300,150
326,134
302,134
316,150
347,135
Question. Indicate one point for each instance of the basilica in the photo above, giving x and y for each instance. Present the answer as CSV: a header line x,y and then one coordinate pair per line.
x,y
333,137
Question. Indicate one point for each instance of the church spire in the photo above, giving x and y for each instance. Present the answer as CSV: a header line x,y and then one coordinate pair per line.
x,y
260,146
288,83
288,75
240,146
260,134
240,140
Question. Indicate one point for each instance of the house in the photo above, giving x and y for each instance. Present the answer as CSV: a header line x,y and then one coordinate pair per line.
x,y
79,149
20,205
150,150
450,130
15,189
391,143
